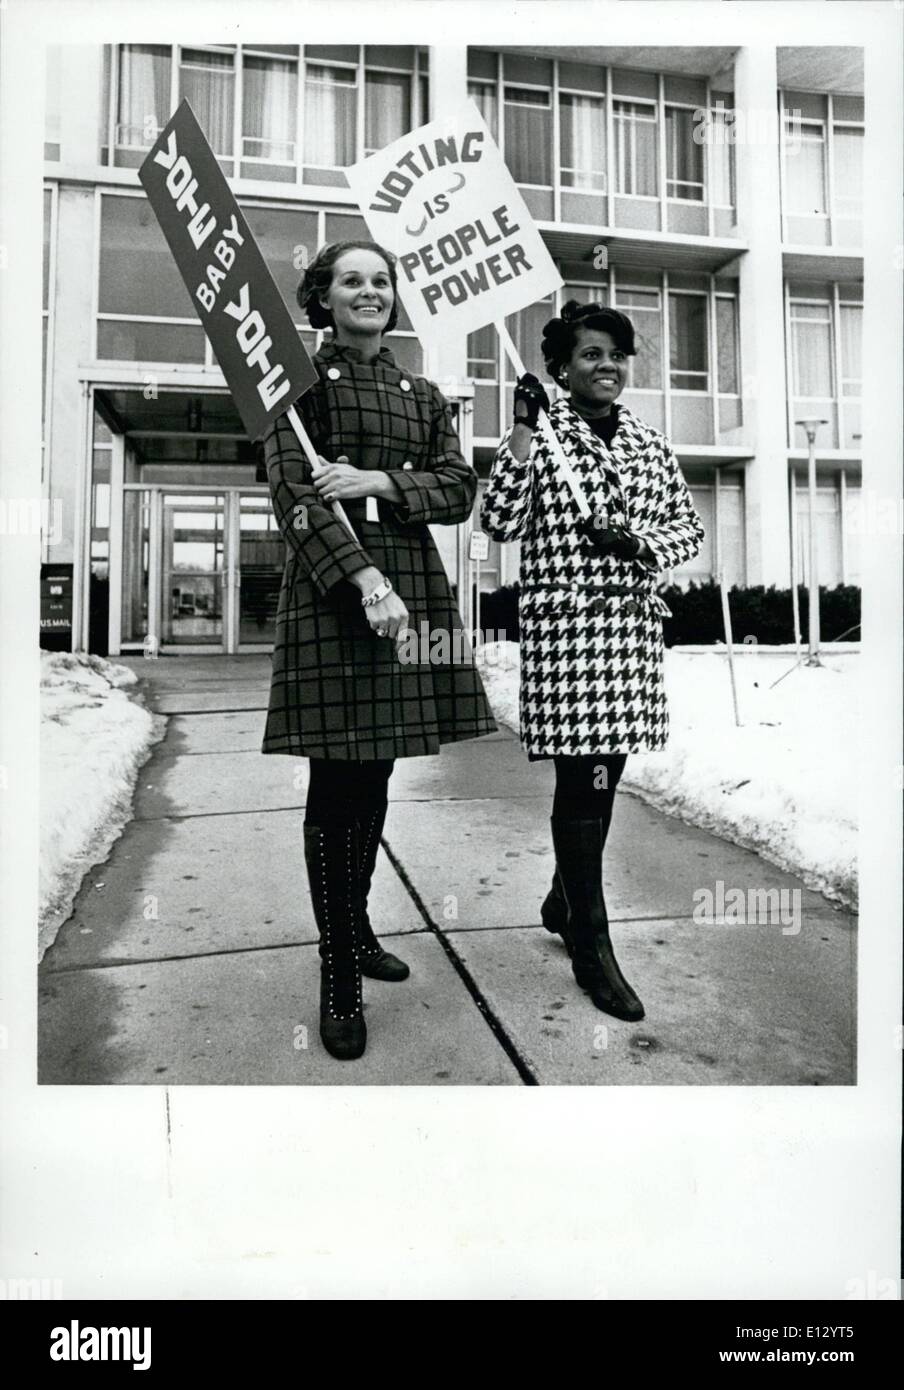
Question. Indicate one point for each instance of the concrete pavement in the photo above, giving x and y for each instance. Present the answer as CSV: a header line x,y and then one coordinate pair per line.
x,y
190,956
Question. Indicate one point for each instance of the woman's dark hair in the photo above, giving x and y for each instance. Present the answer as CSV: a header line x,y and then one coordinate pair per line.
x,y
561,335
318,277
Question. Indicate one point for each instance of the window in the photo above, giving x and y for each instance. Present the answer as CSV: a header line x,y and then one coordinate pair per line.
x,y
45,316
482,349
207,81
645,312
805,161
269,109
721,157
483,94
582,142
528,135
635,149
688,356
684,155
811,351
851,346
330,114
143,108
387,108
848,161
727,344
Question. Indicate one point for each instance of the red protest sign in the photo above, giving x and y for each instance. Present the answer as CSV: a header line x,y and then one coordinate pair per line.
x,y
243,313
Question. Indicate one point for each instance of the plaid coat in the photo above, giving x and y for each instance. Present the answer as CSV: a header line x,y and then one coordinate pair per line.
x,y
337,690
591,625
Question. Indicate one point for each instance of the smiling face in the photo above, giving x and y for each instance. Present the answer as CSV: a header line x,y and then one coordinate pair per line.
x,y
596,372
360,296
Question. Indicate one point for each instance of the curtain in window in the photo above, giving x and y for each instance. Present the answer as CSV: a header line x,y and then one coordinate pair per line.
x,y
329,117
727,345
688,356
642,308
387,108
482,354
851,348
484,98
635,149
144,92
805,164
812,343
208,83
269,109
848,152
526,328
684,157
582,142
528,135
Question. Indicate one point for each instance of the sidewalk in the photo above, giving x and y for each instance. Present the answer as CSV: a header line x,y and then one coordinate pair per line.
x,y
190,957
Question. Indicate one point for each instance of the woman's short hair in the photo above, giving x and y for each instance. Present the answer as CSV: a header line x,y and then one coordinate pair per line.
x,y
318,277
560,335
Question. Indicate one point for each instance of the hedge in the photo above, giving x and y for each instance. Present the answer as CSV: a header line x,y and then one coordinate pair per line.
x,y
758,612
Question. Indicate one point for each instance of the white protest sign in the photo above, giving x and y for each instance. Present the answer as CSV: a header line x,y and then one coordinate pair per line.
x,y
442,200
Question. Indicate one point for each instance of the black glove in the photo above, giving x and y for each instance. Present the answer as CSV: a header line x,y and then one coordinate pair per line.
x,y
531,397
609,539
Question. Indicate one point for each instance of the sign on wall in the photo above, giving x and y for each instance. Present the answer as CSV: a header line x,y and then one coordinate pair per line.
x,y
443,201
237,300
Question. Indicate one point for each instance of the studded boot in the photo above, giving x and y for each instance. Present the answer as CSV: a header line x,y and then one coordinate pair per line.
x,y
331,856
579,856
376,963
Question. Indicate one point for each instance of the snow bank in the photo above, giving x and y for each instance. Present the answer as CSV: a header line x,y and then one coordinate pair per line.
x,y
783,784
94,739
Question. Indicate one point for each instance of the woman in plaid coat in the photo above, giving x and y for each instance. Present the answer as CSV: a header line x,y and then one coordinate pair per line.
x,y
347,690
592,687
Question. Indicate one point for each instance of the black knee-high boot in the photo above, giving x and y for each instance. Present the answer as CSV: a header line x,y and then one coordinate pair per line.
x,y
332,858
579,858
554,910
376,963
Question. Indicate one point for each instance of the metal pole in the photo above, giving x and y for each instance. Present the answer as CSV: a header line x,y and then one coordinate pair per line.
x,y
811,426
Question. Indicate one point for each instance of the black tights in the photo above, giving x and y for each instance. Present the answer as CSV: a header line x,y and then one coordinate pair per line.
x,y
585,786
341,790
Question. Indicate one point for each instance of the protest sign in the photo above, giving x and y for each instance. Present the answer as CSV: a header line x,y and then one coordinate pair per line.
x,y
443,201
251,332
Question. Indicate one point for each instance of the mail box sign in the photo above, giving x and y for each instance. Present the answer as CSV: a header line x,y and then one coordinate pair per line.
x,y
444,202
56,599
237,300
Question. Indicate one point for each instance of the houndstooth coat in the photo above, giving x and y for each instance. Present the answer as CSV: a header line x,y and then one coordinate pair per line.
x,y
337,690
591,625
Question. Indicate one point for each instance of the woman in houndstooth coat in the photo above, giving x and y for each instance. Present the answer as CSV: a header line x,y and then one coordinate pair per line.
x,y
348,689
592,686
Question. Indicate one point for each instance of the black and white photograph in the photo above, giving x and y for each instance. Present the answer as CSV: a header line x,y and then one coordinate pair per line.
x,y
451,549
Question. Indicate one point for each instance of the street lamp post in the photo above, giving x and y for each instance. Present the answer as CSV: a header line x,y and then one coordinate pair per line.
x,y
811,425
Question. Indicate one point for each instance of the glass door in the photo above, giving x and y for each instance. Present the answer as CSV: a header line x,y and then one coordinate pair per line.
x,y
193,570
260,553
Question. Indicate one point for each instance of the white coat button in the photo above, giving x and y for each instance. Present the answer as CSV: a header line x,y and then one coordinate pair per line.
x,y
334,374
407,467
405,385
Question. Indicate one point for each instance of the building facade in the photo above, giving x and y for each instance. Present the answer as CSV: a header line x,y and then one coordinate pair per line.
x,y
713,194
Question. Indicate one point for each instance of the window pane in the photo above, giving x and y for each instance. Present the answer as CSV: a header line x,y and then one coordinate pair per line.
x,y
269,109
144,93
851,346
387,108
329,117
137,272
287,240
48,204
208,82
721,158
684,156
849,172
123,341
805,164
526,329
528,135
727,345
482,348
642,308
582,143
687,342
635,149
484,98
811,351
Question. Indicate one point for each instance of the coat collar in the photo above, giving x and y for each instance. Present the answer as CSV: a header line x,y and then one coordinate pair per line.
x,y
331,351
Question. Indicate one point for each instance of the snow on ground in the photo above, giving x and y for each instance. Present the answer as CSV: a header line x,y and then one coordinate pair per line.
x,y
94,739
783,784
